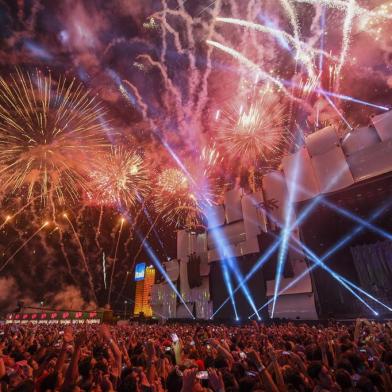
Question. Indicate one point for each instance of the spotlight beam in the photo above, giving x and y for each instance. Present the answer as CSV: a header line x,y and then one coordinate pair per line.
x,y
230,261
22,246
268,253
219,239
331,251
315,258
157,263
329,100
282,255
348,214
344,282
229,286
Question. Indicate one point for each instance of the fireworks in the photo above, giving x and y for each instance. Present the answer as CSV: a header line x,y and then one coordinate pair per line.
x,y
121,178
192,80
182,199
48,133
256,133
173,181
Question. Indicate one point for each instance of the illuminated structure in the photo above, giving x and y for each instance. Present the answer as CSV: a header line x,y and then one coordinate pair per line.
x,y
333,172
145,278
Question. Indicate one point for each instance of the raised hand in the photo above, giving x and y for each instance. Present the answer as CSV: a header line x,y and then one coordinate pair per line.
x,y
215,380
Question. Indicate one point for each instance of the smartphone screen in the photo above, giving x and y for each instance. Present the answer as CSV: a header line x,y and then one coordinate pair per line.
x,y
203,375
174,337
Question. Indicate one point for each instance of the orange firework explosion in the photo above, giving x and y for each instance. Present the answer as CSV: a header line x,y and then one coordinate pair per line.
x,y
48,132
182,199
120,178
254,133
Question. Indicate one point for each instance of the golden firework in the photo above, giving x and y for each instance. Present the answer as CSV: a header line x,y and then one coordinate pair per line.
x,y
183,197
254,132
49,133
120,178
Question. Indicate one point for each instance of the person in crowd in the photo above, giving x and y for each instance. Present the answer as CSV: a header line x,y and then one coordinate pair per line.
x,y
137,357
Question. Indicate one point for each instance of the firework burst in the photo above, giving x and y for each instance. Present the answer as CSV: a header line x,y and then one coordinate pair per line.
x,y
121,178
254,133
183,198
49,132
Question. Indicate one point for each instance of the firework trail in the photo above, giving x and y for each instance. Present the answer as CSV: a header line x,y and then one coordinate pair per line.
x,y
305,53
84,259
132,231
9,217
143,241
114,261
127,249
104,269
98,231
22,246
347,26
264,75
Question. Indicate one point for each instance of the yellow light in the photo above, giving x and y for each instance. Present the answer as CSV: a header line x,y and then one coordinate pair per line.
x,y
65,215
46,223
8,217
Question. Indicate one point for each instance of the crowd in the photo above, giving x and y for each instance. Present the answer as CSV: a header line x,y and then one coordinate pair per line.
x,y
195,358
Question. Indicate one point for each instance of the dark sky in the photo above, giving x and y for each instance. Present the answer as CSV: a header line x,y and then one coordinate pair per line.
x,y
159,80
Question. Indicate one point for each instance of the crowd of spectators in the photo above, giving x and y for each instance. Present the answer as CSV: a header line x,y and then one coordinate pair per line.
x,y
195,358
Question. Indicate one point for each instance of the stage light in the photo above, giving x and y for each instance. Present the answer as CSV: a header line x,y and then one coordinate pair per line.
x,y
286,232
264,258
340,114
330,252
349,214
367,294
319,262
350,99
229,261
229,286
158,265
220,240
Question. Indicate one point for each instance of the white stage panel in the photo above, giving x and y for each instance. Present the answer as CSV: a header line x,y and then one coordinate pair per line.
x,y
275,190
173,270
383,125
332,170
305,178
359,139
322,141
372,161
233,209
254,216
215,216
